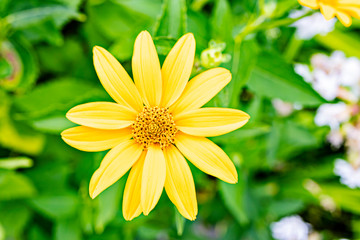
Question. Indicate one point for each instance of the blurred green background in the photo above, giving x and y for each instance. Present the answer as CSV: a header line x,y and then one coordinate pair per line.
x,y
46,68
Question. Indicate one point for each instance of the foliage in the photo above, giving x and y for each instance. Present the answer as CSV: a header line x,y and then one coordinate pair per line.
x,y
44,182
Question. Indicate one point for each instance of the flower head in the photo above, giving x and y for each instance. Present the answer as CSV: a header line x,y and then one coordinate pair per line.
x,y
290,228
342,9
155,123
349,175
308,27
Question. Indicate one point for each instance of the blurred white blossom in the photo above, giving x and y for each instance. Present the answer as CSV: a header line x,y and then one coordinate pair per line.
x,y
290,228
335,138
349,175
304,71
308,27
332,115
334,76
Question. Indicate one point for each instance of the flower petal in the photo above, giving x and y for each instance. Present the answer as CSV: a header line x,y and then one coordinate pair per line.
x,y
132,192
351,10
115,79
344,18
309,3
146,69
201,89
177,68
153,178
210,122
93,140
115,164
327,11
102,115
179,183
207,156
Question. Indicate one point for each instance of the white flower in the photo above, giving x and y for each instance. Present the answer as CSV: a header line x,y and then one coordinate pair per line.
x,y
335,138
327,85
282,108
332,115
350,72
308,27
353,142
304,71
290,228
348,174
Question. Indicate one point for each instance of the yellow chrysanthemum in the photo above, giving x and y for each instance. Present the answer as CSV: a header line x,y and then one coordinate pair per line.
x,y
343,9
153,125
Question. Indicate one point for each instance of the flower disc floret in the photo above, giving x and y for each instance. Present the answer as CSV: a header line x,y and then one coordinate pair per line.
x,y
154,125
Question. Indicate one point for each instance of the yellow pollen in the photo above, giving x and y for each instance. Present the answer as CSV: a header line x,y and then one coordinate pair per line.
x,y
154,125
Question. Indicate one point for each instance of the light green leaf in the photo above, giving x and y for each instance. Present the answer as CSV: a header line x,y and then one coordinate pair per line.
x,y
15,163
56,207
272,77
222,21
68,229
108,205
28,17
347,42
14,218
179,222
233,197
15,186
172,23
60,95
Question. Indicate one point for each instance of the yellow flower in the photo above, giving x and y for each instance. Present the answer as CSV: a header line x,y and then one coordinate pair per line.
x,y
153,125
343,9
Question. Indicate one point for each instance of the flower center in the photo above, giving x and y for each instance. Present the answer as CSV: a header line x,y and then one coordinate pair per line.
x,y
154,125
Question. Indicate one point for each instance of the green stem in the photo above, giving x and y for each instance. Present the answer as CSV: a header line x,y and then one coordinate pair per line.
x,y
293,48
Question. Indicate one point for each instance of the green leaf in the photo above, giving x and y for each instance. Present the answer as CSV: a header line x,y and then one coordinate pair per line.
x,y
28,17
222,22
348,42
14,218
272,77
60,95
13,136
164,45
233,196
172,23
52,124
56,207
14,186
179,222
108,205
281,208
15,163
68,229
244,60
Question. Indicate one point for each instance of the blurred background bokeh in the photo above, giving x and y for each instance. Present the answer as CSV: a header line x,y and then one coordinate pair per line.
x,y
297,75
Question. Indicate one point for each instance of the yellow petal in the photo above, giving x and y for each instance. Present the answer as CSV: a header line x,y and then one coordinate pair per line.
x,y
93,140
207,156
146,69
115,164
177,68
309,3
348,2
344,18
102,115
210,122
153,178
327,11
201,89
351,10
115,79
132,192
179,183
